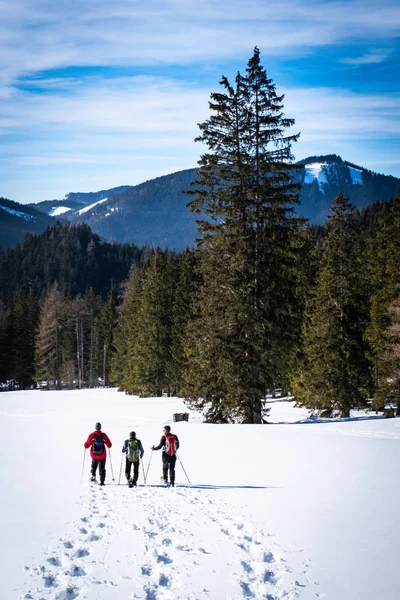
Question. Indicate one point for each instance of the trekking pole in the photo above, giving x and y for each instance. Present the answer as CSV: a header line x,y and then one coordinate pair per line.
x,y
112,472
83,464
184,469
148,466
120,469
144,476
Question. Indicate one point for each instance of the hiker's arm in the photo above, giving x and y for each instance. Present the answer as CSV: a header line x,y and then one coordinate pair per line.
x,y
176,442
125,446
107,440
161,444
141,450
88,442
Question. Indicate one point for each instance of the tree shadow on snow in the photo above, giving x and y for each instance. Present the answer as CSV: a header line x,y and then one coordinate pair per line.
x,y
320,421
203,486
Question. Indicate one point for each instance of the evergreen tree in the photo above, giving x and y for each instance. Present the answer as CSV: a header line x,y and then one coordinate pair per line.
x,y
384,277
49,339
5,343
391,356
239,343
107,325
333,375
187,281
126,330
93,304
149,353
23,324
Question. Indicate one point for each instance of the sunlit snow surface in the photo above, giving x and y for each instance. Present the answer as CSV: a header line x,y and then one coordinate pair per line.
x,y
298,508
315,171
356,175
83,210
58,210
18,213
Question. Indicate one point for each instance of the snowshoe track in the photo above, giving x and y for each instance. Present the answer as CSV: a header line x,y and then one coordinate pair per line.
x,y
161,544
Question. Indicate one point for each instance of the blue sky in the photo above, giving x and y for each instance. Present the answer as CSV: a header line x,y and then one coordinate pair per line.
x,y
99,94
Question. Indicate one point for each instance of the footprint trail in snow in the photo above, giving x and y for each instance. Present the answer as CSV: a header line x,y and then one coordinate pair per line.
x,y
155,543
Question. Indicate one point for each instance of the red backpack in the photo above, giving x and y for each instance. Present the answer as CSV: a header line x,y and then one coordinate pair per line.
x,y
170,444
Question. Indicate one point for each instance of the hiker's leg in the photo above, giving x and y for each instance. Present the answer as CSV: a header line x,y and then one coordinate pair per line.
x,y
165,461
135,472
128,469
94,467
102,469
172,469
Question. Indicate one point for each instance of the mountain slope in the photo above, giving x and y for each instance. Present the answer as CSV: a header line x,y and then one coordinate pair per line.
x,y
154,213
16,220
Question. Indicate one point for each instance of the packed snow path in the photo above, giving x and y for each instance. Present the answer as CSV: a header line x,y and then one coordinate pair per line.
x,y
160,543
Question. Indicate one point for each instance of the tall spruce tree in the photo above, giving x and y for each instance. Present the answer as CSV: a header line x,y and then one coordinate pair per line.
x,y
149,354
384,277
49,339
333,374
126,331
23,323
107,324
391,357
243,329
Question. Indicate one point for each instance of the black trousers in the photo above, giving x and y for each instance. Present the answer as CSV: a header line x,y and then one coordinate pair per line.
x,y
102,468
169,461
128,466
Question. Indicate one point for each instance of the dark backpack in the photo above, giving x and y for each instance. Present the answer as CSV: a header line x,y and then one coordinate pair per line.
x,y
170,444
98,445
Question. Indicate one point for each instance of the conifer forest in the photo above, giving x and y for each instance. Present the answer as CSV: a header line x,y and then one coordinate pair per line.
x,y
264,300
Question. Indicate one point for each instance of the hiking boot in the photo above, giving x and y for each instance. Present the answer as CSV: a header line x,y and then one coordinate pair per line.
x,y
102,483
172,484
134,484
93,479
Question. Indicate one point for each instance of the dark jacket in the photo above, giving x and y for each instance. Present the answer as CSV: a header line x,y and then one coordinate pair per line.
x,y
125,446
163,443
90,442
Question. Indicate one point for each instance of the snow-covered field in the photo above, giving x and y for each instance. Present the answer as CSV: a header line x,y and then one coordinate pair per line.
x,y
290,510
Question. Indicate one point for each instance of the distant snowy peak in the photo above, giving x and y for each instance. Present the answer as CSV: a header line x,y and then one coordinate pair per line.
x,y
332,172
87,208
58,210
18,213
315,171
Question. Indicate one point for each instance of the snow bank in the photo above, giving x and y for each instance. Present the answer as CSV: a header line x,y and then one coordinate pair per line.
x,y
295,509
58,210
83,210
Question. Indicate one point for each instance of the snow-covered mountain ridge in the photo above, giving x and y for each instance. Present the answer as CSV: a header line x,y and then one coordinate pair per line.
x,y
154,213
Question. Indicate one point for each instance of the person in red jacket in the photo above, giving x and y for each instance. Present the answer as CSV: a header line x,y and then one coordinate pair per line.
x,y
97,442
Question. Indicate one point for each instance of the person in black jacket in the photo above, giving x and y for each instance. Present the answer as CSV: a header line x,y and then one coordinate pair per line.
x,y
134,452
169,443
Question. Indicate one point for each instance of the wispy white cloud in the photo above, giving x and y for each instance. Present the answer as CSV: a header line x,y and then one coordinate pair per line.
x,y
373,57
90,133
36,35
110,132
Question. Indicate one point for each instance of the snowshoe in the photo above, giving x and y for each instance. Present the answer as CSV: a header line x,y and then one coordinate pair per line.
x,y
130,483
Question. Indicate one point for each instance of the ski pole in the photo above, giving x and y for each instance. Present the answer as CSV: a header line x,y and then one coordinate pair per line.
x,y
120,469
112,472
148,466
144,476
184,470
83,464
